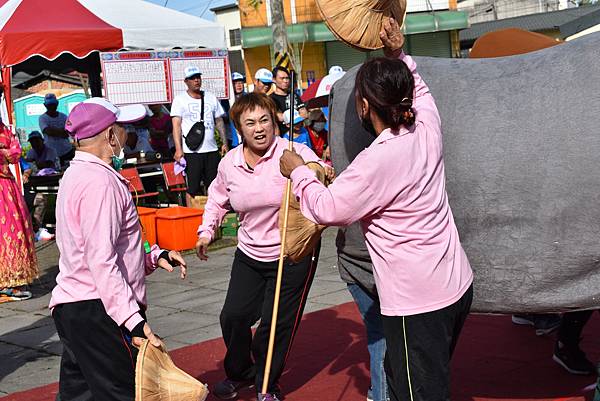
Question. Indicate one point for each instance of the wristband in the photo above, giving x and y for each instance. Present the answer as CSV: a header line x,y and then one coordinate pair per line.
x,y
165,255
138,330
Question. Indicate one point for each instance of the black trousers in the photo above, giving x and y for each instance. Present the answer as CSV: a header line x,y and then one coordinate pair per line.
x,y
420,362
249,298
201,168
571,326
98,360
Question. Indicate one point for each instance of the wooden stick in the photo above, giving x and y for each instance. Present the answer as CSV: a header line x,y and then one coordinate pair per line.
x,y
286,209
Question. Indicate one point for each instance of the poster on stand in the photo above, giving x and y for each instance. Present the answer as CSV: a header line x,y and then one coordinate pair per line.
x,y
156,77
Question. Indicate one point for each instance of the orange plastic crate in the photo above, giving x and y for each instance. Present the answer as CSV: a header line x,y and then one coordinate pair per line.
x,y
176,227
148,220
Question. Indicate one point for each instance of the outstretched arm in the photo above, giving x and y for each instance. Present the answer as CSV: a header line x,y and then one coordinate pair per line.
x,y
423,103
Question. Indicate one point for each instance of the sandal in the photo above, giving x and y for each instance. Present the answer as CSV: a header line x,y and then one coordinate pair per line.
x,y
14,294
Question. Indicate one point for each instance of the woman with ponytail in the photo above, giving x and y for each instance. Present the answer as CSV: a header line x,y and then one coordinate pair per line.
x,y
396,189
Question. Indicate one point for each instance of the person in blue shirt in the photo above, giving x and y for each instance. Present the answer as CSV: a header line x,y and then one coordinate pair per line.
x,y
238,81
300,133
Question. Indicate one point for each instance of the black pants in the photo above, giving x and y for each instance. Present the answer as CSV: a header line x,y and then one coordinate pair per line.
x,y
201,169
571,326
430,340
98,360
249,298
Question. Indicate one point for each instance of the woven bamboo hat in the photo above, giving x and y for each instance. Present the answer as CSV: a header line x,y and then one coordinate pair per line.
x,y
302,234
158,379
358,22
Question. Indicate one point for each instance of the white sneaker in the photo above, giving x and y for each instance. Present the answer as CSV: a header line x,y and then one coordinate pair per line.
x,y
43,235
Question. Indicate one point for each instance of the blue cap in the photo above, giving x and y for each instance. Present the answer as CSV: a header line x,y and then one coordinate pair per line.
x,y
35,134
190,71
49,99
264,76
236,76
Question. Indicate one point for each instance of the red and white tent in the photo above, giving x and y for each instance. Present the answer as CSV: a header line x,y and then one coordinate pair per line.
x,y
50,29
37,33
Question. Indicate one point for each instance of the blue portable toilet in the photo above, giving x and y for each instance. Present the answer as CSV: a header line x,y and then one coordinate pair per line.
x,y
28,109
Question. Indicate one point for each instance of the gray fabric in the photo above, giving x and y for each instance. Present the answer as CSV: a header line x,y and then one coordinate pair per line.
x,y
354,262
522,156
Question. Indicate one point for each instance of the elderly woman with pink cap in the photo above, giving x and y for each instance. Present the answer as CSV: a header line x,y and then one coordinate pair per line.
x,y
99,301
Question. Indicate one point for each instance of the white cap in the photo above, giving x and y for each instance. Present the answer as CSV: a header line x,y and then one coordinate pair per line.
x,y
236,76
191,70
335,70
297,117
264,75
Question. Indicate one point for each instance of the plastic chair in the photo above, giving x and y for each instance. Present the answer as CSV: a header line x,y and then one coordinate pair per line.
x,y
136,187
174,182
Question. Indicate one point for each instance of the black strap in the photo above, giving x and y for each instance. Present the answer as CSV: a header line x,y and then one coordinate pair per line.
x,y
202,106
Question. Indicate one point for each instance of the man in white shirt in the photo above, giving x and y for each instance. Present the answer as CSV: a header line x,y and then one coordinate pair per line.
x,y
52,125
189,108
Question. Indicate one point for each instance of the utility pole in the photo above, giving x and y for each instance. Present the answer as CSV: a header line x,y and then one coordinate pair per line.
x,y
280,39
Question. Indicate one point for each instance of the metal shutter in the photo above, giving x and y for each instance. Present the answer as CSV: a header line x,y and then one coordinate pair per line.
x,y
346,57
435,44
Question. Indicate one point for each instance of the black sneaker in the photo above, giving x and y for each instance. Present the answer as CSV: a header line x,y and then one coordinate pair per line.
x,y
267,397
228,389
573,359
543,324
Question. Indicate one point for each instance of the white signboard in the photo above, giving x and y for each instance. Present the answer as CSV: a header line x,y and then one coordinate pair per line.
x,y
414,6
214,74
35,109
151,77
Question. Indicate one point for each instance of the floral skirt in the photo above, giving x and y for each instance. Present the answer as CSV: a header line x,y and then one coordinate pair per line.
x,y
18,263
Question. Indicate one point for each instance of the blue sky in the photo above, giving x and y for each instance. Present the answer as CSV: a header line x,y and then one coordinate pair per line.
x,y
199,8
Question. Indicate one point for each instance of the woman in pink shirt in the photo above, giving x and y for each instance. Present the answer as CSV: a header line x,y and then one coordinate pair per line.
x,y
396,189
249,182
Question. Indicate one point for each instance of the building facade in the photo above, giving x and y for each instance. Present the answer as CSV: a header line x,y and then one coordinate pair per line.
x,y
229,16
431,29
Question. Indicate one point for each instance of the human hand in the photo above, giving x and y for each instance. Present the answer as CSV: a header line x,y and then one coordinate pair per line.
x,y
153,338
202,247
175,260
224,149
178,154
329,173
288,162
392,38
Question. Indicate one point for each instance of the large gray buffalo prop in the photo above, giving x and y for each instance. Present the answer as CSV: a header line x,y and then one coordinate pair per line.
x,y
522,155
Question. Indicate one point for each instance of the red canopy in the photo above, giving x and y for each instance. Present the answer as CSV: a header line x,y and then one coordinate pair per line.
x,y
64,26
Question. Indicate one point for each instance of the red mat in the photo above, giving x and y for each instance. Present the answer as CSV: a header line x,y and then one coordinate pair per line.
x,y
495,360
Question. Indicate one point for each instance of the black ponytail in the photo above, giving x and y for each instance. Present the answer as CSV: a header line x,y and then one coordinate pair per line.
x,y
388,86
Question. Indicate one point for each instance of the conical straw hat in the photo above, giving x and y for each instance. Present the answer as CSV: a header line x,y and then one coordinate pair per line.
x,y
302,234
358,22
158,379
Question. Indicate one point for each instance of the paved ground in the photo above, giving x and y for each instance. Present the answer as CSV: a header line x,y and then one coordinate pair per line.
x,y
183,312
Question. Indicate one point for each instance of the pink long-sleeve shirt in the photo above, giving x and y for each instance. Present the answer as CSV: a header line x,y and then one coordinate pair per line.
x,y
255,195
396,188
100,241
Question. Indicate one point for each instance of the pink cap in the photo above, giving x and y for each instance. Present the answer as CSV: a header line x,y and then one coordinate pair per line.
x,y
94,115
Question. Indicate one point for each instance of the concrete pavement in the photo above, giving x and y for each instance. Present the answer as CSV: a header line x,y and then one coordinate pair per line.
x,y
184,312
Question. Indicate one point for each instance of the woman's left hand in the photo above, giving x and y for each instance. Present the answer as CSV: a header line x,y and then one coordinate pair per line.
x,y
392,38
176,259
329,173
288,162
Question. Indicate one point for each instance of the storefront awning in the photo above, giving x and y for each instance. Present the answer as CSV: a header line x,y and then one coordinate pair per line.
x,y
318,31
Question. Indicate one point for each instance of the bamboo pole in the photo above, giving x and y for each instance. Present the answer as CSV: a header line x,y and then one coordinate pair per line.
x,y
286,209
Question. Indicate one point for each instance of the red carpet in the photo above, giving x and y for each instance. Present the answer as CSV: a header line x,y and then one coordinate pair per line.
x,y
495,360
